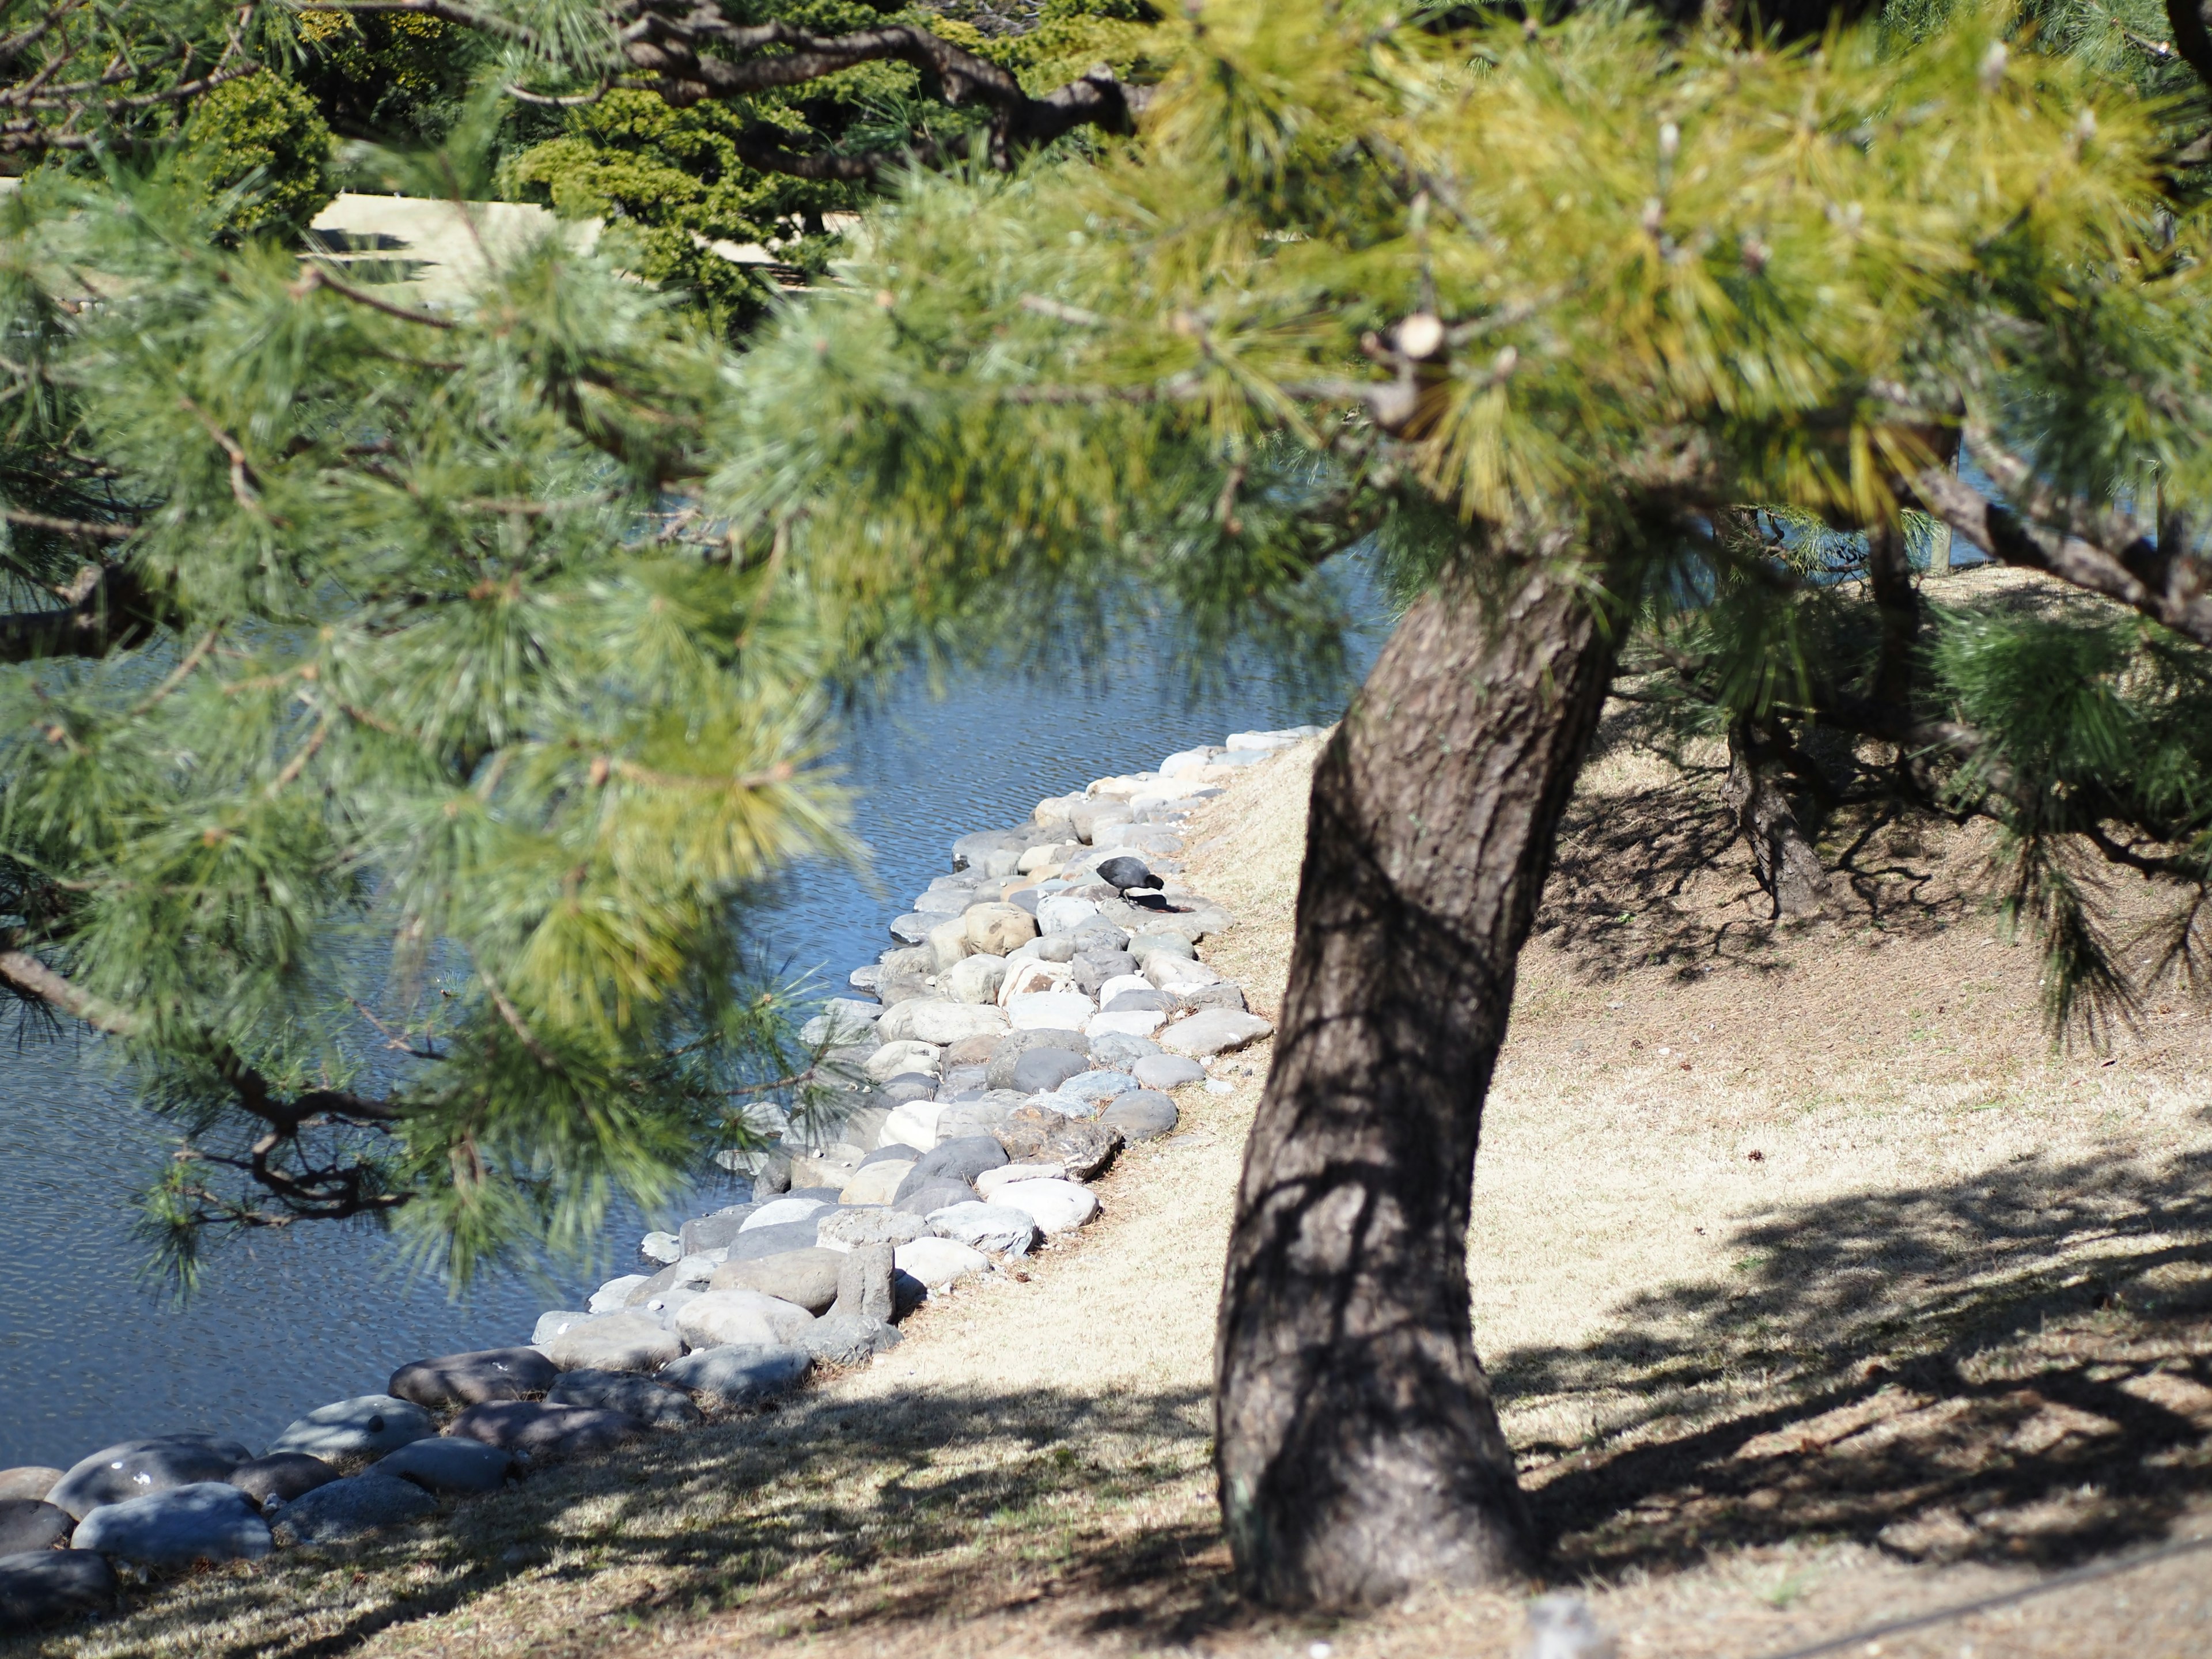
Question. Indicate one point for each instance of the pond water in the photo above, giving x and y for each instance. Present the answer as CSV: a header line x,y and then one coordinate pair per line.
x,y
89,1354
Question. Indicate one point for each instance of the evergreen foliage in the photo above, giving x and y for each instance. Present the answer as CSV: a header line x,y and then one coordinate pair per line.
x,y
259,146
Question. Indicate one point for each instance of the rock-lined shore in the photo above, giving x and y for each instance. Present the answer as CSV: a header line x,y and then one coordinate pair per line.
x,y
1040,1008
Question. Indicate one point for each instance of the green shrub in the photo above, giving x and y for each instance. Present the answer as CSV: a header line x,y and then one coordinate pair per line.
x,y
261,137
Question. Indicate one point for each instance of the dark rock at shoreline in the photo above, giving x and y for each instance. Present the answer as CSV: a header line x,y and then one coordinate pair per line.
x,y
757,1242
541,1430
715,1232
453,1467
646,1399
346,1507
31,1523
614,1342
741,1375
470,1379
207,1521
281,1477
44,1587
134,1469
960,1160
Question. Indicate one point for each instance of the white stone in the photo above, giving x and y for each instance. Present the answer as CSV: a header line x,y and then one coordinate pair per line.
x,y
1061,913
1038,858
914,1124
1058,1206
898,1023
614,1296
1028,974
663,1247
1130,1021
777,1212
1054,810
1173,973
1051,1010
876,1182
1289,738
725,1318
1213,1031
997,1229
976,979
1185,761
1006,1174
949,939
1121,982
938,1262
1122,787
947,1023
896,1058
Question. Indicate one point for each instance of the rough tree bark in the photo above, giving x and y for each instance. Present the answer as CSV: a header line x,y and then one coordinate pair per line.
x,y
1358,1449
1789,869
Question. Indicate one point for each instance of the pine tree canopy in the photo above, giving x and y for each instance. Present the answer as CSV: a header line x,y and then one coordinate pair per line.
x,y
404,703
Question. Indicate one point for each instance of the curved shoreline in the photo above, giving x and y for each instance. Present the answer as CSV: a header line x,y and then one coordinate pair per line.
x,y
1038,1009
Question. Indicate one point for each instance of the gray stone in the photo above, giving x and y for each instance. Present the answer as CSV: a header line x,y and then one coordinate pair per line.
x,y
470,1379
1142,1115
959,1160
808,1277
896,1151
454,1469
1140,1002
367,1426
662,1247
645,1398
616,1342
991,1228
980,1117
1044,1069
913,927
47,1586
864,1284
29,1480
532,1427
1097,1087
908,1085
1174,944
715,1232
1000,1074
207,1521
31,1523
614,1296
741,1376
1036,1136
940,1194
850,1339
1222,994
135,1468
346,1509
771,1175
1056,947
1163,1071
764,1242
283,1476
1216,1031
872,1224
551,1325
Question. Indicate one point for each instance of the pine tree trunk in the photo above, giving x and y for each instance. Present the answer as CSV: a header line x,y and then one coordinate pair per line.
x,y
1789,869
1358,1449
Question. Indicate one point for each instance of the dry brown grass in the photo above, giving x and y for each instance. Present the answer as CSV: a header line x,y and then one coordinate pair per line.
x,y
1817,1286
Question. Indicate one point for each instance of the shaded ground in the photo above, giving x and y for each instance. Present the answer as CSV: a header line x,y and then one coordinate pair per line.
x,y
1818,1288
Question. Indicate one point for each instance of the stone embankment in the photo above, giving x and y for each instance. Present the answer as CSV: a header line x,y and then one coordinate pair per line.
x,y
1040,1008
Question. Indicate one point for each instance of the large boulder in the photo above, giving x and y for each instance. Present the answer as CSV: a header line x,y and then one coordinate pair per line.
x,y
742,1318
346,1509
453,1467
647,1400
807,1277
1096,1088
993,1228
1141,1114
848,1230
283,1476
864,1284
741,1376
616,1342
936,1194
29,1480
615,1295
948,943
949,1022
958,1160
763,1242
876,1181
782,1212
1035,1135
1043,1069
1056,1206
545,1431
898,1058
849,1339
715,1232
991,1180
367,1426
207,1521
1215,1031
1174,944
977,979
995,929
31,1523
1127,1022
1170,972
135,1468
470,1379
938,1262
44,1587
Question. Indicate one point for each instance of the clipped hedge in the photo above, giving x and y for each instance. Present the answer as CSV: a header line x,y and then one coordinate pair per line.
x,y
259,144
